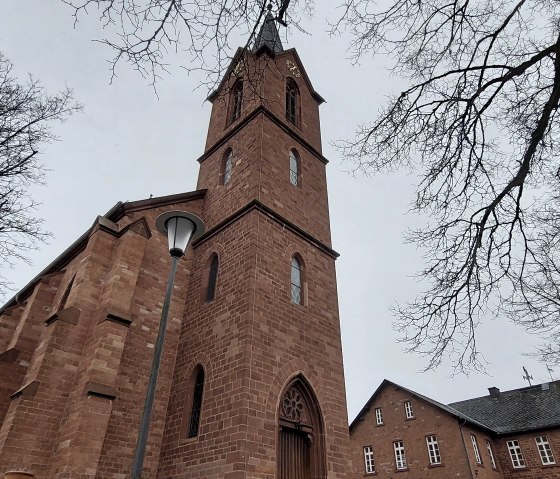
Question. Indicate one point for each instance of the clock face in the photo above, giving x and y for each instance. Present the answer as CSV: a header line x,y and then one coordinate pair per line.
x,y
293,68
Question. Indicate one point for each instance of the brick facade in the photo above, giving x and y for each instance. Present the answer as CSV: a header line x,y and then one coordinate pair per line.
x,y
454,432
77,343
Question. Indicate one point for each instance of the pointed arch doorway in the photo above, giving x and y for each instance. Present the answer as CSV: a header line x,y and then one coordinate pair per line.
x,y
300,433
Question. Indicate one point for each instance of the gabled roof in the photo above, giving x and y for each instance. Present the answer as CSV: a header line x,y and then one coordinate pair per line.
x,y
518,410
268,36
448,409
114,214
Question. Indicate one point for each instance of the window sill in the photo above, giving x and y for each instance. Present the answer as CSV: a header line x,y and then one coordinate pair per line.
x,y
406,469
413,418
380,425
435,465
188,440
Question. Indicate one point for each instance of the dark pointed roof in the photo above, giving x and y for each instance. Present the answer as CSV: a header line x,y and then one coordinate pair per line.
x,y
268,36
525,409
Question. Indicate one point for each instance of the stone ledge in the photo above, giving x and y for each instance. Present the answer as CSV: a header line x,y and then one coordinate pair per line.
x,y
100,390
68,315
114,316
9,356
28,391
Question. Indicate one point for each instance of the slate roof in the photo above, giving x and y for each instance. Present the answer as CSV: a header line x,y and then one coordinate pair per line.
x,y
268,36
519,410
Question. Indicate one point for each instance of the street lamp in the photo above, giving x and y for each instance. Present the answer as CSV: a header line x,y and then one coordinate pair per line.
x,y
180,228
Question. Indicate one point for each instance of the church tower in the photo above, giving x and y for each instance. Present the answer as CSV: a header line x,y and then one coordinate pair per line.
x,y
251,383
258,387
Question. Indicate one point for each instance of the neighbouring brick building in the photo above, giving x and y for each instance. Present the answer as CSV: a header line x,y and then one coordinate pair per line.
x,y
251,384
504,435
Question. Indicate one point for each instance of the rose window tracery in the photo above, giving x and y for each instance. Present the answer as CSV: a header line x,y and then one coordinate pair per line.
x,y
293,405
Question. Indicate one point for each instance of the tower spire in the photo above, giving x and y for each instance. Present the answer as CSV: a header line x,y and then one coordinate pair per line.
x,y
268,36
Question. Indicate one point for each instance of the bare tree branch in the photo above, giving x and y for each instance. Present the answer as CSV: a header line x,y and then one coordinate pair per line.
x,y
26,112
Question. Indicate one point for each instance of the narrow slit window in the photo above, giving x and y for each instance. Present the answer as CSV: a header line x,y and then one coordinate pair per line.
x,y
236,100
212,279
296,281
294,168
292,101
228,167
196,404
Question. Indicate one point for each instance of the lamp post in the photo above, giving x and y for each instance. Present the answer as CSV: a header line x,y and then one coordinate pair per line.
x,y
180,228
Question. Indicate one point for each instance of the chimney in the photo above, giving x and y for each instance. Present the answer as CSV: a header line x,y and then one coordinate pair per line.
x,y
494,392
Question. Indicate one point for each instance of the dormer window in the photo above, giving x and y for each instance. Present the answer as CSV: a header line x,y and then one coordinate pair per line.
x,y
236,100
292,101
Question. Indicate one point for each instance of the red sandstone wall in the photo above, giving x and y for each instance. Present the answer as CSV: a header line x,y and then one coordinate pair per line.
x,y
428,420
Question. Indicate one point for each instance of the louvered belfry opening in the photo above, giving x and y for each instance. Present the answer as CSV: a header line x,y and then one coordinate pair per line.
x,y
300,441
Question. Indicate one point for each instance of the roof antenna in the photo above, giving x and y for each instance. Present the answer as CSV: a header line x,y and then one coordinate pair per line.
x,y
526,376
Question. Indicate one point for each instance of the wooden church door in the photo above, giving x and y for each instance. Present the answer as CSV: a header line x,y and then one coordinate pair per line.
x,y
300,448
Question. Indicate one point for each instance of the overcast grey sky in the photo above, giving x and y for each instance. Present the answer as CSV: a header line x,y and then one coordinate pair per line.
x,y
129,144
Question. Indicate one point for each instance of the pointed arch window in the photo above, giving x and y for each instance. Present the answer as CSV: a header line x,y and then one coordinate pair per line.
x,y
294,168
292,101
196,407
236,100
212,278
296,281
227,168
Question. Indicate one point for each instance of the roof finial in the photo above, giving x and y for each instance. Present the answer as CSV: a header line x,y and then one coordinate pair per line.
x,y
268,36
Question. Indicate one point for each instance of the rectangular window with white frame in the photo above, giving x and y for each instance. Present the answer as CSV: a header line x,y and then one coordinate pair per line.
x,y
378,416
409,413
516,455
368,460
545,450
477,457
491,454
400,458
433,450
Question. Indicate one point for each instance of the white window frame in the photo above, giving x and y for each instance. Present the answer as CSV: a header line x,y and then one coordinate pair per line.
x,y
400,456
409,413
516,454
378,416
491,454
369,462
545,451
477,456
433,450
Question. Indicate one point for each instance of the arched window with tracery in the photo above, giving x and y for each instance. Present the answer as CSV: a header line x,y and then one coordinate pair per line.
x,y
296,280
301,446
212,278
292,101
227,167
196,403
294,168
236,100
